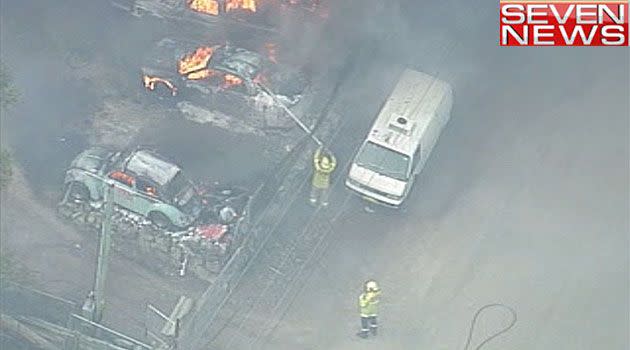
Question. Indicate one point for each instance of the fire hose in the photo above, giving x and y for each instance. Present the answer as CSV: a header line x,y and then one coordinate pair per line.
x,y
288,111
502,331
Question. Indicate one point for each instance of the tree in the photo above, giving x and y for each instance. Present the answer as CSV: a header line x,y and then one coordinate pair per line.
x,y
6,170
8,93
9,268
8,97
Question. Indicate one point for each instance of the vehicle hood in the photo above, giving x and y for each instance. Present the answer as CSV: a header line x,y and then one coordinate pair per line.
x,y
91,159
374,180
288,82
188,201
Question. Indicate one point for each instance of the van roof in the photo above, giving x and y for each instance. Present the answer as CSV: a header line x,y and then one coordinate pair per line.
x,y
407,111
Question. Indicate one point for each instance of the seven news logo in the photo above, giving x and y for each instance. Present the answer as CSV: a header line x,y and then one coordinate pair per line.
x,y
563,23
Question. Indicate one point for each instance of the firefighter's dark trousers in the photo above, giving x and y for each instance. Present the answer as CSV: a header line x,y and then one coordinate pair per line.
x,y
368,324
319,195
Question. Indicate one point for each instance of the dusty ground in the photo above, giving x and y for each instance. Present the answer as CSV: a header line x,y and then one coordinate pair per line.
x,y
77,89
528,207
80,85
524,202
541,226
61,261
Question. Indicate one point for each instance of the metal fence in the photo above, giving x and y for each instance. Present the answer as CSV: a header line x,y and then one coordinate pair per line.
x,y
91,335
155,323
56,317
242,226
264,210
16,299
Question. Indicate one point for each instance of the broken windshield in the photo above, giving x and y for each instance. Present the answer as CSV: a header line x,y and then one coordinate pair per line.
x,y
178,184
181,191
383,161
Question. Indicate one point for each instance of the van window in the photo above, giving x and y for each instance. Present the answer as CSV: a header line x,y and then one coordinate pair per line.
x,y
383,161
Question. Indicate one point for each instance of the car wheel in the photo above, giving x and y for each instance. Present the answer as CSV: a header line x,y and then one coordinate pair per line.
x,y
78,191
160,220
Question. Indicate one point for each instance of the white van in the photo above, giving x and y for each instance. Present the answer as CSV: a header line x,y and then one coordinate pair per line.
x,y
404,133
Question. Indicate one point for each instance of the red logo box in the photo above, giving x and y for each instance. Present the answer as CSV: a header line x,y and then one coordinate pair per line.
x,y
563,23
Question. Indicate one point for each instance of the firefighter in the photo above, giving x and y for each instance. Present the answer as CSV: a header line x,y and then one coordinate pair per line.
x,y
324,164
368,305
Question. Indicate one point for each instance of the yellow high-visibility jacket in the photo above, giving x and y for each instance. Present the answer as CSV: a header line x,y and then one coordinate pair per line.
x,y
321,175
368,304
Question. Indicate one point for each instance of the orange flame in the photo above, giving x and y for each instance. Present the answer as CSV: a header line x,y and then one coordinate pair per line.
x,y
210,7
195,62
230,80
200,74
240,4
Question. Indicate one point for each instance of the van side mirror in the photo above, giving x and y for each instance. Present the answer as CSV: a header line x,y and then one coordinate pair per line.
x,y
416,159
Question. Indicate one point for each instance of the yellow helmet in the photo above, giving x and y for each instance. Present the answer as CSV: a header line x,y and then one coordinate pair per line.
x,y
325,162
371,286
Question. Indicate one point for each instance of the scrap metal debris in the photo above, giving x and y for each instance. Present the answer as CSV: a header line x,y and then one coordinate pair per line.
x,y
226,79
250,11
202,248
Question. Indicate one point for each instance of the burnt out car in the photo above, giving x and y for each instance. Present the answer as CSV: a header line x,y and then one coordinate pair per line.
x,y
263,14
225,78
144,183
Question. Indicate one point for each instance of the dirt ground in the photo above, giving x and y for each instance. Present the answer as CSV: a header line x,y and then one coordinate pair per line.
x,y
61,261
80,85
524,201
72,96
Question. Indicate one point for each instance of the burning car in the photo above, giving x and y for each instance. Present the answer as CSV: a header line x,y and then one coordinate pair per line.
x,y
144,183
263,13
226,78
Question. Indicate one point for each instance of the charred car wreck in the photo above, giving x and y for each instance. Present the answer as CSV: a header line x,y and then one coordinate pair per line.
x,y
267,14
144,183
227,79
153,198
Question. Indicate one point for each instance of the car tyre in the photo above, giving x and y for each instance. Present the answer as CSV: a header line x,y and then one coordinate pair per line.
x,y
160,220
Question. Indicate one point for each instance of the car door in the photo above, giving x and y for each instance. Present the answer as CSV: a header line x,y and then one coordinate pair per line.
x,y
123,194
147,194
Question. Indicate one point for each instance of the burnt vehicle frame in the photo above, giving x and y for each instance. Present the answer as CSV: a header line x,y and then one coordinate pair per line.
x,y
144,183
256,75
266,16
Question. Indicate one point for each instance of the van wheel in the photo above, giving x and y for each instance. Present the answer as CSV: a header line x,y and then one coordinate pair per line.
x,y
160,220
78,191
